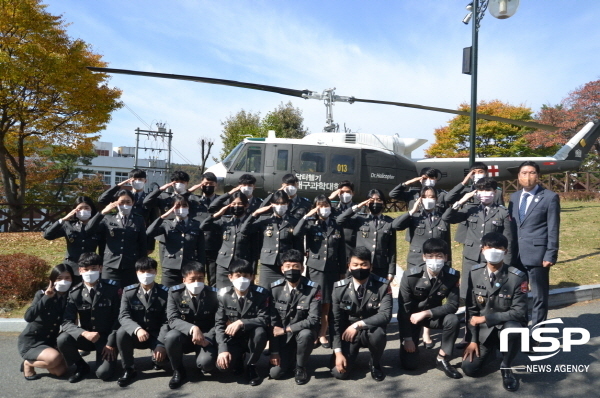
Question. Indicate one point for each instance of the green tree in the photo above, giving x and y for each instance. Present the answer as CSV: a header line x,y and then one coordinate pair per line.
x,y
493,138
237,127
47,96
286,121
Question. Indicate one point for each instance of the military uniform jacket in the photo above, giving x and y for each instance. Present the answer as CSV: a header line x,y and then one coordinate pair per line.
x,y
235,243
325,244
297,208
349,233
505,301
254,204
101,315
277,236
213,238
255,313
78,240
184,241
420,227
408,195
139,207
478,224
418,294
375,310
125,244
44,318
377,236
182,314
149,315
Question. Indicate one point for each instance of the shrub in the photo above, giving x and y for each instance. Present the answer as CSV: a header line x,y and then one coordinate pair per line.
x,y
579,196
20,276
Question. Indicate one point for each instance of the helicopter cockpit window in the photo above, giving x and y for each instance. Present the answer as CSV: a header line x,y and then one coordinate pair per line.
x,y
342,164
282,159
312,162
250,161
229,159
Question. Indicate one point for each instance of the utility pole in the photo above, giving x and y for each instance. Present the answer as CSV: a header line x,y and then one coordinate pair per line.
x,y
160,134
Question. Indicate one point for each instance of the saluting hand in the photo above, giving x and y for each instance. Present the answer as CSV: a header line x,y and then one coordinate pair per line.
x,y
222,211
416,206
468,177
234,190
466,197
365,202
110,207
168,212
167,185
413,180
70,215
262,210
127,181
335,194
312,212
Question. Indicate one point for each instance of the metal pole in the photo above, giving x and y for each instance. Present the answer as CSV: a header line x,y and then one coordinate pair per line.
x,y
137,145
475,22
168,158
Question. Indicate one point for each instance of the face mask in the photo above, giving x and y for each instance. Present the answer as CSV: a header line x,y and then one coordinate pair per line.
x,y
434,265
90,276
84,214
477,177
346,197
138,185
146,278
280,210
428,203
246,190
182,212
237,210
429,183
195,287
292,275
242,284
324,211
180,187
62,286
290,190
125,209
485,197
376,208
208,190
360,274
493,256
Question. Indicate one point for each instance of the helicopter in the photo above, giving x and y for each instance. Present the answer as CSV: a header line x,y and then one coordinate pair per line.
x,y
321,161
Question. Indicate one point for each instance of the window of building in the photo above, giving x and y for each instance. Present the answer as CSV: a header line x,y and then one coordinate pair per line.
x,y
342,164
312,162
120,177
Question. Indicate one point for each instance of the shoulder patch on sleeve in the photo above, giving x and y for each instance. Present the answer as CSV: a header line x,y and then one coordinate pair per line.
x,y
277,283
130,287
163,287
341,283
415,270
177,287
516,271
382,280
111,282
311,283
478,266
451,271
306,199
213,289
259,289
43,291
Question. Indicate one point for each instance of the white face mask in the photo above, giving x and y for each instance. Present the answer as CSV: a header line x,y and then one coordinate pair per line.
x,y
485,197
90,276
493,256
125,209
180,187
290,190
346,197
146,278
477,177
84,214
434,265
242,284
195,287
62,286
246,190
428,203
138,185
429,183
280,210
182,212
324,211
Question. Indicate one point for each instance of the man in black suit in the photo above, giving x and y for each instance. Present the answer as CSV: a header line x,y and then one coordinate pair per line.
x,y
535,222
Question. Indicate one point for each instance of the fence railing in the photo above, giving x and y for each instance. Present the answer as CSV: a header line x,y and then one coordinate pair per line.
x,y
31,217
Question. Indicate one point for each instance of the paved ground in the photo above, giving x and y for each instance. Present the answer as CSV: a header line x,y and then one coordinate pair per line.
x,y
425,382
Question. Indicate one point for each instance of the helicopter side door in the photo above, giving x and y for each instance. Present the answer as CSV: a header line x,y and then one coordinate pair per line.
x,y
278,162
250,160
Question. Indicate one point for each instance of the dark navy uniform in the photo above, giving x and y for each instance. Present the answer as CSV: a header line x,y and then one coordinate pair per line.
x,y
254,204
300,309
255,315
418,292
139,207
213,238
376,234
100,314
297,208
184,241
44,318
139,312
349,233
375,310
409,195
185,311
504,305
125,244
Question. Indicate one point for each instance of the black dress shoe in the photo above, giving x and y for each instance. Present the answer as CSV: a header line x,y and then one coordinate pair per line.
x,y
252,375
326,345
178,378
377,374
35,376
300,376
155,366
127,377
509,381
448,369
80,372
429,346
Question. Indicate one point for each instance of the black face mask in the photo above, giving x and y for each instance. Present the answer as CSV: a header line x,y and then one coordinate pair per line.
x,y
376,208
237,210
208,190
292,275
360,274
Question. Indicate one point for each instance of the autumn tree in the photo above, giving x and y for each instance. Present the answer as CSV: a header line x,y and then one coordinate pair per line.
x,y
493,138
47,96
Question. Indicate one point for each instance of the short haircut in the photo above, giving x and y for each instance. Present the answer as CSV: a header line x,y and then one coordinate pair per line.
x,y
280,196
495,240
87,259
88,201
435,245
376,191
59,269
486,184
431,172
424,190
240,195
292,256
180,200
321,199
247,179
479,165
179,175
124,192
208,176
192,266
289,179
346,183
360,252
146,264
240,266
137,173
530,163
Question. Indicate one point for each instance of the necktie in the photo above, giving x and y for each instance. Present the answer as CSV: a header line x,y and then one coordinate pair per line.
x,y
194,301
492,278
242,302
432,281
523,205
292,295
485,211
92,294
146,296
360,292
136,197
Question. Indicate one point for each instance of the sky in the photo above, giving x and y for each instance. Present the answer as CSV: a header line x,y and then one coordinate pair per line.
x,y
403,50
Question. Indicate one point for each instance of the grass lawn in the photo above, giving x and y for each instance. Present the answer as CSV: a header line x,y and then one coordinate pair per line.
x,y
577,259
